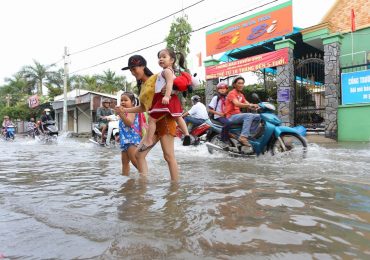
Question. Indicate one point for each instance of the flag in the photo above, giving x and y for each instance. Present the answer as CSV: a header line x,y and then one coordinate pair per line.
x,y
353,26
199,55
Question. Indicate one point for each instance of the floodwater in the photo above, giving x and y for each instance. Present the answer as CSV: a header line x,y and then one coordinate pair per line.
x,y
69,201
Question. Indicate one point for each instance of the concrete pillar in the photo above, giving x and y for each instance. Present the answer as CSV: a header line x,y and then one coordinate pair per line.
x,y
285,83
210,88
332,45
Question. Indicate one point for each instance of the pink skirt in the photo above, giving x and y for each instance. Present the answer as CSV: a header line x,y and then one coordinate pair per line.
x,y
158,109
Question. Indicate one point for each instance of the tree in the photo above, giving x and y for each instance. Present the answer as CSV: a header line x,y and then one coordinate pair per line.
x,y
109,82
90,82
15,90
36,75
18,84
178,38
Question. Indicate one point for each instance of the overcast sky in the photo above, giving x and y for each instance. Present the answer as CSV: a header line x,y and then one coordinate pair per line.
x,y
39,29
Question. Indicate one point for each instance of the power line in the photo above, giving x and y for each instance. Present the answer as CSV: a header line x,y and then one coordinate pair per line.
x,y
135,30
55,63
155,44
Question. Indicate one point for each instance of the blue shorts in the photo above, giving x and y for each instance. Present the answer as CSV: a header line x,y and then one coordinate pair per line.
x,y
125,147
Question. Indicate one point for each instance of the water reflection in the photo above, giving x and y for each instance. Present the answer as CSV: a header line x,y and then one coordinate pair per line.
x,y
69,200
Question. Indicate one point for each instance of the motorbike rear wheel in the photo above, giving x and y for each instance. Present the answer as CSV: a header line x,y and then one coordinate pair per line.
x,y
290,143
216,141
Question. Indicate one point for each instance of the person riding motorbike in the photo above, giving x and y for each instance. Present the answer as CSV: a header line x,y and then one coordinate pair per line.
x,y
217,109
235,100
44,118
102,114
31,127
197,114
6,123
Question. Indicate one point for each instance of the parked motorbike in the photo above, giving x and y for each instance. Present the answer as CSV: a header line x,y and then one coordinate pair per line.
x,y
49,133
197,134
96,134
268,135
9,133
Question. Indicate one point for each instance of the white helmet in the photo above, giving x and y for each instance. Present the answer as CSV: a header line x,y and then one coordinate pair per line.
x,y
195,98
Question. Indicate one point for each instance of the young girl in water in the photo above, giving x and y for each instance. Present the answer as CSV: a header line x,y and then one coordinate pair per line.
x,y
130,131
167,103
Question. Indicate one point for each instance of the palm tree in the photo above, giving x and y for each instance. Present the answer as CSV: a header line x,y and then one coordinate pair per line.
x,y
110,83
36,75
90,82
15,90
18,84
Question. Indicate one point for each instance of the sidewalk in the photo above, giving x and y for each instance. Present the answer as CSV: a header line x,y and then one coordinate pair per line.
x,y
318,138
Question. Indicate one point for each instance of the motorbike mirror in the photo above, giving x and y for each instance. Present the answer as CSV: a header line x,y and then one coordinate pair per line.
x,y
255,98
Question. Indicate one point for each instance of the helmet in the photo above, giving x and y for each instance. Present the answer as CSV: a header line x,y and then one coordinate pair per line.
x,y
106,100
222,84
195,98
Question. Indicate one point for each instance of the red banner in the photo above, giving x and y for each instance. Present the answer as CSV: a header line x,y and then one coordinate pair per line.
x,y
266,60
271,23
33,101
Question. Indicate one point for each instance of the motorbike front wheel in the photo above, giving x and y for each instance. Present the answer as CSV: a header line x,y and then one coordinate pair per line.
x,y
290,143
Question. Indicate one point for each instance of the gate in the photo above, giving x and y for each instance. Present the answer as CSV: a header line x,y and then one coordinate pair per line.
x,y
309,106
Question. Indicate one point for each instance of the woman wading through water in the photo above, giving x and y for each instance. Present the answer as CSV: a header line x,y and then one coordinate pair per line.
x,y
165,128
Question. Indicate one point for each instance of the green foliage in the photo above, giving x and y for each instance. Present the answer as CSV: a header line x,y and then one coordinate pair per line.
x,y
258,89
19,111
109,82
178,38
36,75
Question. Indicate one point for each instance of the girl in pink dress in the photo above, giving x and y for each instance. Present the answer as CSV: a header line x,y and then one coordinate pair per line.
x,y
167,103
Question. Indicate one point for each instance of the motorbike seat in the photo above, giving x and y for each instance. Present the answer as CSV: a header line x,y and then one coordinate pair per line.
x,y
215,122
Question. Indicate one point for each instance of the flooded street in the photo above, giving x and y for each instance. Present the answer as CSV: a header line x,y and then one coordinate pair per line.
x,y
68,200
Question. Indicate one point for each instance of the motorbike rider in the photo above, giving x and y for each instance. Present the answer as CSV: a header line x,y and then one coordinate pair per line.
x,y
197,114
102,114
235,100
217,108
6,123
31,127
44,118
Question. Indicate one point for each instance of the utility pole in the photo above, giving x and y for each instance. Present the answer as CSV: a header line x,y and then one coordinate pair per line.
x,y
65,110
8,98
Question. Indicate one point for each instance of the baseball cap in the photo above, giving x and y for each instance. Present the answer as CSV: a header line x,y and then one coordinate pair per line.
x,y
135,61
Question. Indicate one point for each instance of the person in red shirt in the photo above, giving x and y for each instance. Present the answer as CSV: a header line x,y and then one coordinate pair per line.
x,y
235,100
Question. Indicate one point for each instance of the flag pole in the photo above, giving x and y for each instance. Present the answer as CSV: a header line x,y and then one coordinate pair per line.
x,y
352,46
353,28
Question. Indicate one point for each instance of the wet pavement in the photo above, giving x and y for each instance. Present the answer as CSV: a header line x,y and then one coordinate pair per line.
x,y
68,201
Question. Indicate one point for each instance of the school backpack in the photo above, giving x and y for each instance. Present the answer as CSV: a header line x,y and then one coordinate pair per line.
x,y
211,115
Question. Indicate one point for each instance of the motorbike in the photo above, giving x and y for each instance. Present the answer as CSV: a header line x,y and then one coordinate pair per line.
x,y
96,134
268,135
9,133
49,133
197,134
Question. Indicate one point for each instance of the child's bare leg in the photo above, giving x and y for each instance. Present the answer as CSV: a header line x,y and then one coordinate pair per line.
x,y
182,124
125,163
131,155
148,139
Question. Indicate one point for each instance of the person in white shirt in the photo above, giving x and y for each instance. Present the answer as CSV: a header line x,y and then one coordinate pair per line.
x,y
197,114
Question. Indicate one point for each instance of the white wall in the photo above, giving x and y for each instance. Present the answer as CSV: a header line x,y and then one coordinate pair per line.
x,y
84,122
